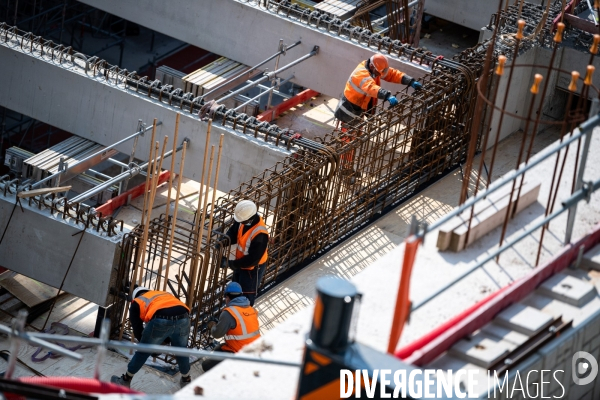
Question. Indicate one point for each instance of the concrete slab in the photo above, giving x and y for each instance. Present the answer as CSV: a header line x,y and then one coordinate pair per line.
x,y
325,73
481,349
506,334
524,319
568,289
591,259
105,113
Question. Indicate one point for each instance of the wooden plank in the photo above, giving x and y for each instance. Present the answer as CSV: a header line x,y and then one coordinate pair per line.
x,y
27,290
580,23
35,192
445,231
492,217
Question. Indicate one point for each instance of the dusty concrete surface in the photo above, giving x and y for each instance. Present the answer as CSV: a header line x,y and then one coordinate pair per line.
x,y
379,282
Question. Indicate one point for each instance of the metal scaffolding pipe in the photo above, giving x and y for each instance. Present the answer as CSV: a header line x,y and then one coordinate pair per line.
x,y
380,20
112,146
269,90
253,68
271,75
119,178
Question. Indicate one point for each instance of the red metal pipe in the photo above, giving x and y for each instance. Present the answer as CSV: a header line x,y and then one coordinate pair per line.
x,y
276,111
110,206
513,294
410,348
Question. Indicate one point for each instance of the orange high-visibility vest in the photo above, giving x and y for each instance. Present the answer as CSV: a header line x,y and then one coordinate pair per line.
x,y
246,328
154,300
361,86
243,241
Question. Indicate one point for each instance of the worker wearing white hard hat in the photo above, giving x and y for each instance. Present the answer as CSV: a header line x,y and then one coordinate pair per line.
x,y
250,236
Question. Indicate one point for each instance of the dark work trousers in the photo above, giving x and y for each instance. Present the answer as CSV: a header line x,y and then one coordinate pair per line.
x,y
249,280
208,363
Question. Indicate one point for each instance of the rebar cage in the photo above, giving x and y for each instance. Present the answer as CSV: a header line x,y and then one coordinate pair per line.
x,y
314,198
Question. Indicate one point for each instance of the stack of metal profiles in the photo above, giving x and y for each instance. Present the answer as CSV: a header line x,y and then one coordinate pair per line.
x,y
305,4
342,9
215,74
14,159
170,76
68,152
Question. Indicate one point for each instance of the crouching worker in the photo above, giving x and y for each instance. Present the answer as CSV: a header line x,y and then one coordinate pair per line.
x,y
238,324
166,318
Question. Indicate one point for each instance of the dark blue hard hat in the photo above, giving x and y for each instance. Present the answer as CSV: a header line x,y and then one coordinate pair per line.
x,y
233,288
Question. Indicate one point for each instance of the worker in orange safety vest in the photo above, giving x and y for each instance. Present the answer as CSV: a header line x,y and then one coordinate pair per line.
x,y
238,324
251,237
361,92
166,320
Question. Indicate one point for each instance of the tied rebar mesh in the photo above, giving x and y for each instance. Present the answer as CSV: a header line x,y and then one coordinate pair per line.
x,y
318,196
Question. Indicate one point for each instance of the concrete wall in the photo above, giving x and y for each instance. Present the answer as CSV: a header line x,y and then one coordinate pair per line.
x,y
470,13
519,95
41,246
91,108
250,35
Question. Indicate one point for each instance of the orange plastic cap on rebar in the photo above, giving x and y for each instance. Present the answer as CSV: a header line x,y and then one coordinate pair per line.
x,y
536,83
559,33
594,48
596,4
500,67
521,25
574,79
589,74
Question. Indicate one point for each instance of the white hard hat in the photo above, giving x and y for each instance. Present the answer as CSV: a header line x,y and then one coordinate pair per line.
x,y
137,290
244,210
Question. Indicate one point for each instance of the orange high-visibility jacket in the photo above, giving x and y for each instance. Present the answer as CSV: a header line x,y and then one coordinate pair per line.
x,y
246,328
361,86
154,300
243,241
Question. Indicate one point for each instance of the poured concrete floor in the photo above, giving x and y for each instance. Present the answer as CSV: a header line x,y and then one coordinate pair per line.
x,y
288,306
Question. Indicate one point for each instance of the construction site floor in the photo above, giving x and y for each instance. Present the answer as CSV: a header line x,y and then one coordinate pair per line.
x,y
371,259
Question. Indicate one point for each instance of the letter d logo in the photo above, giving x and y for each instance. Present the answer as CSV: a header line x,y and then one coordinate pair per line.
x,y
580,367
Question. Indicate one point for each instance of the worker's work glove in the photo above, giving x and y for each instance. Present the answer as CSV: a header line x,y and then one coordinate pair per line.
x,y
211,323
392,100
224,262
416,85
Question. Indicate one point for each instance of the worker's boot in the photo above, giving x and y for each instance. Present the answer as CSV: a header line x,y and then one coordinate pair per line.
x,y
121,380
185,380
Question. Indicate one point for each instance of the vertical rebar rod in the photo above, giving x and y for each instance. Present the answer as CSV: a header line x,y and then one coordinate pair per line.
x,y
518,37
168,204
174,222
557,41
478,111
534,91
549,203
157,171
204,273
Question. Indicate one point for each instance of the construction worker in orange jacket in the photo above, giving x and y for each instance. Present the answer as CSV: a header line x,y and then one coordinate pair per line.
x,y
251,237
166,319
363,87
238,324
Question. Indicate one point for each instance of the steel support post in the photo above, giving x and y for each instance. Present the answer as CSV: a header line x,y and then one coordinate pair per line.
x,y
595,108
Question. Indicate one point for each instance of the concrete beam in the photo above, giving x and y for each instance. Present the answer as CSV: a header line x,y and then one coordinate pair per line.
x,y
67,98
249,34
40,246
